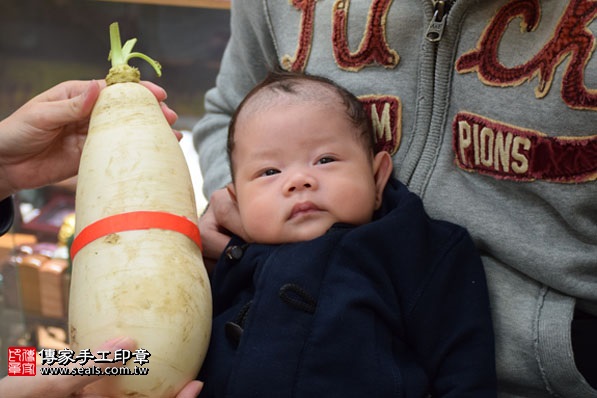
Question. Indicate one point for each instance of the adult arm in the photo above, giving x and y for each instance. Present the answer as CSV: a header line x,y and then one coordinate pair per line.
x,y
249,54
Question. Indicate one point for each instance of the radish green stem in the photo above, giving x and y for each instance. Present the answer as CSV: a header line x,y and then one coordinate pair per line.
x,y
120,56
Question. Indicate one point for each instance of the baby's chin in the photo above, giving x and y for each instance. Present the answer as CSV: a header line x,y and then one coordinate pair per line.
x,y
302,235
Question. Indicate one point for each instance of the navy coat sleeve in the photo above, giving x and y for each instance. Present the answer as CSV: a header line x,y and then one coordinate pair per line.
x,y
441,292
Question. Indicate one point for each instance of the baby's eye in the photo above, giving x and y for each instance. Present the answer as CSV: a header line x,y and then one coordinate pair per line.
x,y
326,159
270,172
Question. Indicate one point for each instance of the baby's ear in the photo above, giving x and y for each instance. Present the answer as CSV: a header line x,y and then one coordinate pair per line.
x,y
232,192
382,169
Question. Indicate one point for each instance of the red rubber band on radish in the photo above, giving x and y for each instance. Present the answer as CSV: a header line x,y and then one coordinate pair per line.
x,y
133,221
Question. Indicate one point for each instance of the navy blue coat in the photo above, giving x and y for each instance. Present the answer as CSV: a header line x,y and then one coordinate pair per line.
x,y
7,214
394,308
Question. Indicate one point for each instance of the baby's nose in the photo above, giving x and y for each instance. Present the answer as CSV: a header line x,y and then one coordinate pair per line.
x,y
300,182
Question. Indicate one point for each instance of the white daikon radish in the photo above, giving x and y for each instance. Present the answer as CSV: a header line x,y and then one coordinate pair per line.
x,y
137,265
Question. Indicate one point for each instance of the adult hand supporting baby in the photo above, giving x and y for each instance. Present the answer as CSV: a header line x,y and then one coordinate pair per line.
x,y
220,220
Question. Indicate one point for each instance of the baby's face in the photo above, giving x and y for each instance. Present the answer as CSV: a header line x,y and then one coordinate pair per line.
x,y
299,168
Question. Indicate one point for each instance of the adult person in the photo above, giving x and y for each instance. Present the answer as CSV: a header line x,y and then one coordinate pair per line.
x,y
489,109
40,144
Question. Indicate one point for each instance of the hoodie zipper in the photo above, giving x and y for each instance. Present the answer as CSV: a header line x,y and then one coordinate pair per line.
x,y
419,162
435,30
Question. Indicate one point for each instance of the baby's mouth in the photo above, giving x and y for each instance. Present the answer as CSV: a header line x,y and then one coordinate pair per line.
x,y
303,208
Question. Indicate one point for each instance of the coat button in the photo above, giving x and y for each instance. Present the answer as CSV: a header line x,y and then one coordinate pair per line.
x,y
234,253
233,332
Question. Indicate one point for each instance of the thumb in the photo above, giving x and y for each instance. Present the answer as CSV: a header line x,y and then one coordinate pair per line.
x,y
191,390
82,105
62,112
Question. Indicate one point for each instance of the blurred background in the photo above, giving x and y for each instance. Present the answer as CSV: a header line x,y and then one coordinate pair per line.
x,y
45,42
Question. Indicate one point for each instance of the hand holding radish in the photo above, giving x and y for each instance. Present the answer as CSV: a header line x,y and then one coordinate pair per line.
x,y
41,142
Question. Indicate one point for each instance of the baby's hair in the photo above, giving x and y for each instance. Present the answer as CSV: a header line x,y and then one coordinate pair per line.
x,y
307,88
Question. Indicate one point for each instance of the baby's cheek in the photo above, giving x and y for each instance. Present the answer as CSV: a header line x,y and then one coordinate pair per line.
x,y
259,225
359,215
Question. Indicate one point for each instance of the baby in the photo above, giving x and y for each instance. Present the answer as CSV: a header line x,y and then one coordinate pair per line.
x,y
344,287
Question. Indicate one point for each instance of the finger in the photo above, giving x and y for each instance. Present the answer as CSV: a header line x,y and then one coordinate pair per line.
x,y
77,383
159,92
66,90
214,243
191,390
170,115
227,217
177,134
213,238
87,100
54,114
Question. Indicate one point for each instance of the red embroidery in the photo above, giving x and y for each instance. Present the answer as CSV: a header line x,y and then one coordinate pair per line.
x,y
509,152
571,39
386,118
298,62
373,47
